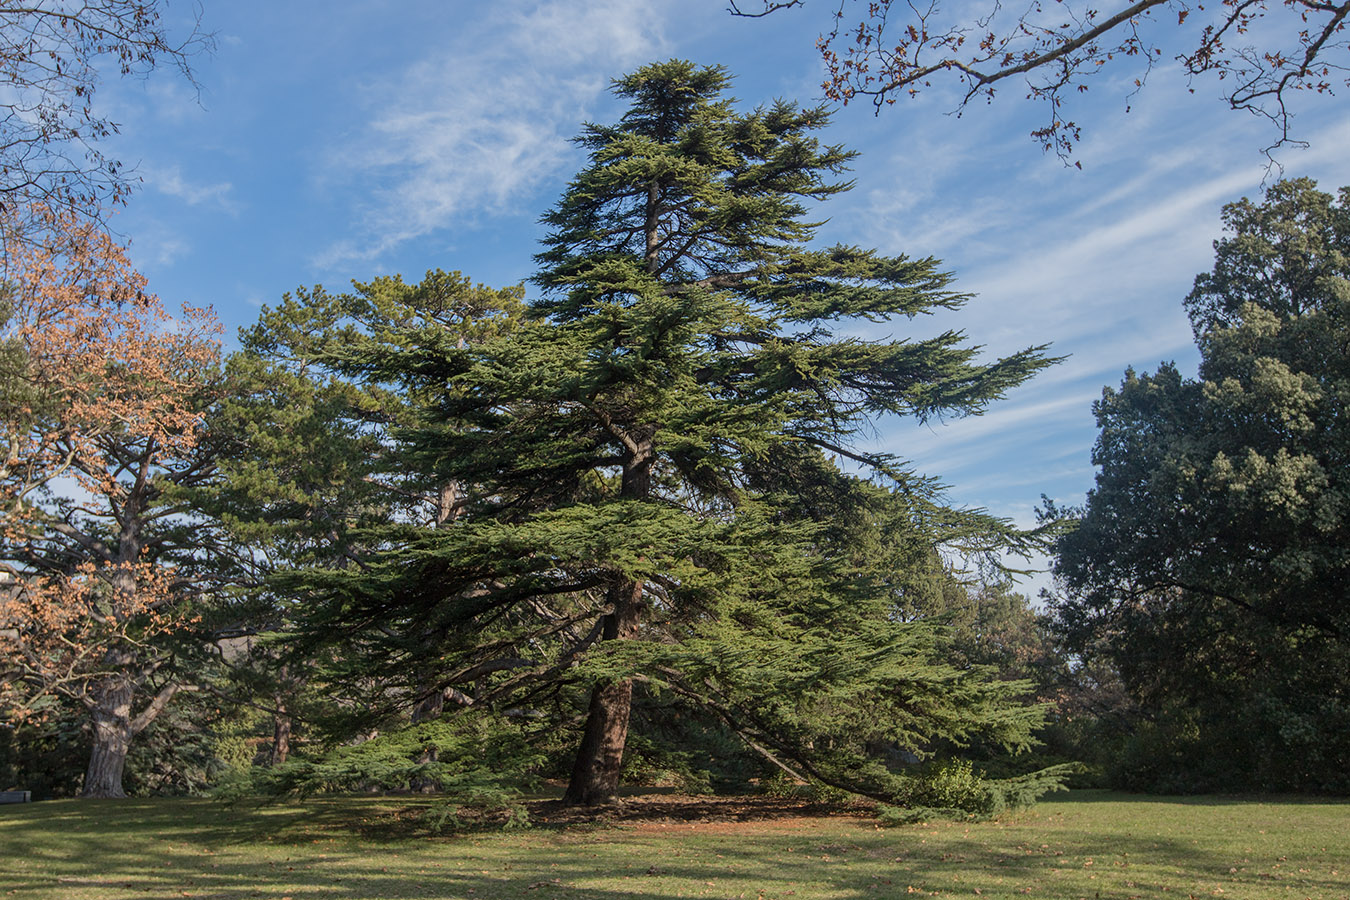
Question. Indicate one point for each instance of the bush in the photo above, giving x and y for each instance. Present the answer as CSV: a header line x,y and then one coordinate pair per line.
x,y
955,789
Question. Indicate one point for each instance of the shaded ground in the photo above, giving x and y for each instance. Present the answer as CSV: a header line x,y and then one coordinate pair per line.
x,y
1081,846
697,811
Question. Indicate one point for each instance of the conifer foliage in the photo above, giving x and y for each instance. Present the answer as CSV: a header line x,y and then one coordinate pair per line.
x,y
650,466
312,475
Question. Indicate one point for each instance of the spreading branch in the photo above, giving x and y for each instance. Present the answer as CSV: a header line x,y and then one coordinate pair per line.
x,y
896,49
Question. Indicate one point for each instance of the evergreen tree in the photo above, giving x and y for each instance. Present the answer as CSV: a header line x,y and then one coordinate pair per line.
x,y
653,492
311,474
1210,561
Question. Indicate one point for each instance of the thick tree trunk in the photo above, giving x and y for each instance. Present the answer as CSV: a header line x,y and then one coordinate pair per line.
x,y
109,700
595,775
112,732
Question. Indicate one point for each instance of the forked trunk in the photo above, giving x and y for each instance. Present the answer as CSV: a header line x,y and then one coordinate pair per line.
x,y
110,710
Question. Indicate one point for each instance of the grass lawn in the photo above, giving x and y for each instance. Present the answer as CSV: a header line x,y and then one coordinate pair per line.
x,y
1081,845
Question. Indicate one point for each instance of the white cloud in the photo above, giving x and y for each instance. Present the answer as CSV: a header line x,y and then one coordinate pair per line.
x,y
488,120
165,251
170,181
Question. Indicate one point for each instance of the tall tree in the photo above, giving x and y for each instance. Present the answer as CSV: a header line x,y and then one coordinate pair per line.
x,y
1210,559
103,402
312,474
654,500
885,51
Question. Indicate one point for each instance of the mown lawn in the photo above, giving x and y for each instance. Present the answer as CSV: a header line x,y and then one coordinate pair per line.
x,y
1082,845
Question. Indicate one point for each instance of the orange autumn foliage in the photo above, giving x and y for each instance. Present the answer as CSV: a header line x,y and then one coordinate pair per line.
x,y
98,356
57,630
101,399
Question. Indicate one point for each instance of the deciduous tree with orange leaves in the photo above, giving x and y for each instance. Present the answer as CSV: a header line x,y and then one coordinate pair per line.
x,y
101,396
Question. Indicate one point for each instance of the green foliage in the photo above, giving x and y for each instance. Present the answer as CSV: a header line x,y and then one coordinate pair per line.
x,y
955,789
311,459
646,468
47,757
1209,564
782,786
478,764
183,752
176,755
312,475
949,785
658,764
1253,743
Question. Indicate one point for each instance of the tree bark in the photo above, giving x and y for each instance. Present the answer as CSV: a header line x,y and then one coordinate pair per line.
x,y
281,734
599,763
288,686
110,711
595,775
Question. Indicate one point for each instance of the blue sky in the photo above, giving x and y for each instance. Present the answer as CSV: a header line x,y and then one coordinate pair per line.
x,y
335,141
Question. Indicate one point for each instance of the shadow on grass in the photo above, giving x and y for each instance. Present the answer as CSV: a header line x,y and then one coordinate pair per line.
x,y
379,848
1100,795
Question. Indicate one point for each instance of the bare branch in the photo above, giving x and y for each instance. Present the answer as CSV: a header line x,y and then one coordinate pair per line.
x,y
894,49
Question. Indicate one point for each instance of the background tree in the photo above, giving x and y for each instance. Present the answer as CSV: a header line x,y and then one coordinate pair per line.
x,y
1209,562
1265,53
652,498
312,475
102,416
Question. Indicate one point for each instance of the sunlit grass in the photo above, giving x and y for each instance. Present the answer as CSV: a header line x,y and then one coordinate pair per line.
x,y
1083,845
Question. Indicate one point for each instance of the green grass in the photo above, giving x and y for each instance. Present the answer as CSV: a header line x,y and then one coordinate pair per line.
x,y
1083,845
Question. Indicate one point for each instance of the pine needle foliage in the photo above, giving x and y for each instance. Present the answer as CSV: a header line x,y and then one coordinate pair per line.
x,y
664,469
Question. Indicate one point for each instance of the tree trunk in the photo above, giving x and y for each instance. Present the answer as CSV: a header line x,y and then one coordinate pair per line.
x,y
110,698
281,734
111,714
430,708
595,775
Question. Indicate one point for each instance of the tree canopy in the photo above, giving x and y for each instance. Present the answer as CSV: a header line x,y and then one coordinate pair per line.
x,y
103,396
1210,560
54,56
649,465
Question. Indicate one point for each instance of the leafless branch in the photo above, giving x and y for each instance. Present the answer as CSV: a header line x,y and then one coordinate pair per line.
x,y
889,48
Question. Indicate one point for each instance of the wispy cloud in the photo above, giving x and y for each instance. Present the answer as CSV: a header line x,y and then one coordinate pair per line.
x,y
162,250
1096,263
170,181
483,124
